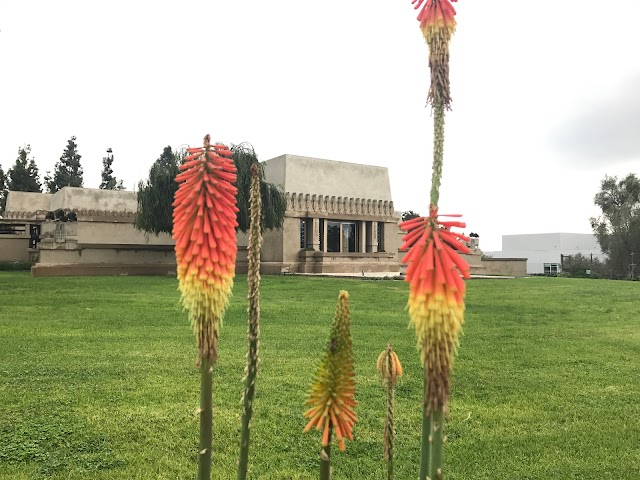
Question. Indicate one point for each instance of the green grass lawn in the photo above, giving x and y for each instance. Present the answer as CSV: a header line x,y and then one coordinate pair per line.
x,y
98,381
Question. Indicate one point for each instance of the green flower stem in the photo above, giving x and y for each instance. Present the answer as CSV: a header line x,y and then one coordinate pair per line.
x,y
206,419
438,150
437,449
390,427
325,459
425,453
253,329
432,440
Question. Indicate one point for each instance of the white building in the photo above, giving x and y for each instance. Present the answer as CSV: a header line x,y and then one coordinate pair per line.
x,y
543,251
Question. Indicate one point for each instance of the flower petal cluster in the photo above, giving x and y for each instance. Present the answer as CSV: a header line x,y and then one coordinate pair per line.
x,y
332,393
438,23
435,273
204,222
436,16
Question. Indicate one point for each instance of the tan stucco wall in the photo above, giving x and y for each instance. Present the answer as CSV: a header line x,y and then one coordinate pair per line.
x,y
474,260
102,248
28,201
14,247
84,269
271,250
106,233
392,241
291,240
295,174
118,233
321,262
75,198
106,255
516,267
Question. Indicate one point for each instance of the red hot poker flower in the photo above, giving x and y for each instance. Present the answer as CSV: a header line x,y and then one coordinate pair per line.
x,y
436,297
204,222
437,22
434,16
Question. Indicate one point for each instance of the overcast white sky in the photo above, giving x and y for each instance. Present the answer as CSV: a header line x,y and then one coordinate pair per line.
x,y
546,95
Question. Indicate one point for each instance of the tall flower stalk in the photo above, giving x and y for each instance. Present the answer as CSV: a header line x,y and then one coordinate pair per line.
x,y
253,310
390,368
204,221
437,22
331,398
435,268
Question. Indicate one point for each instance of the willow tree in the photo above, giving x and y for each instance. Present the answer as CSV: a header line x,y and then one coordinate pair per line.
x,y
155,195
3,191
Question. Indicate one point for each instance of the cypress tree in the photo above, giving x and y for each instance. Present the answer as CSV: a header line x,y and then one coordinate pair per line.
x,y
24,175
109,182
68,171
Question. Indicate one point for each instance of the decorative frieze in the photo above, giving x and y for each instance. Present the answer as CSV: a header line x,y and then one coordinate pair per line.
x,y
24,215
39,214
312,203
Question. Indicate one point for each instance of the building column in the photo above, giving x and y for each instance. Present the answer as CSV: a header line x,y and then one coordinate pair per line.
x,y
324,234
373,242
314,241
362,248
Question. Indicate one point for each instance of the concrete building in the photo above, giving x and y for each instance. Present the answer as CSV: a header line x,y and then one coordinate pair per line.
x,y
20,226
102,241
339,219
544,250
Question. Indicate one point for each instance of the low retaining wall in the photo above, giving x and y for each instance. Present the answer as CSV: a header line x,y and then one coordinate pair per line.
x,y
325,262
515,267
46,270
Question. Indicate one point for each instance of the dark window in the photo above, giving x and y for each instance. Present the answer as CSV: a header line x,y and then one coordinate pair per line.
x,y
34,236
321,224
367,236
333,236
342,237
303,234
381,237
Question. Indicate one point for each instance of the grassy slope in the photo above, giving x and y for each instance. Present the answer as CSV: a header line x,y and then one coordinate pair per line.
x,y
97,380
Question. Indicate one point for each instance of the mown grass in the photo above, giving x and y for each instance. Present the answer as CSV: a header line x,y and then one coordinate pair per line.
x,y
97,380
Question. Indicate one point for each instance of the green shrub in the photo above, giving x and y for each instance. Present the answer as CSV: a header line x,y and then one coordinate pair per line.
x,y
15,265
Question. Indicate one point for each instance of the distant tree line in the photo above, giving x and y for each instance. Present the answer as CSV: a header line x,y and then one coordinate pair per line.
x,y
579,265
24,175
155,195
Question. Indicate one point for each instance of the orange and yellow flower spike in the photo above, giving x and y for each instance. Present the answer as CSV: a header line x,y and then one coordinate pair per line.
x,y
435,273
438,23
436,297
332,393
204,222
